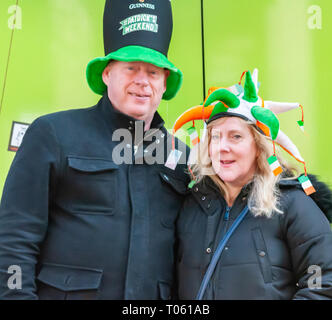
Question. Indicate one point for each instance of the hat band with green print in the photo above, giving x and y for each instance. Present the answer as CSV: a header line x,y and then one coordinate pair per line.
x,y
96,67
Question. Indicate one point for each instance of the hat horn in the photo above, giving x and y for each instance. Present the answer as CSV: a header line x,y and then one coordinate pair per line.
x,y
254,78
280,107
194,113
250,93
268,118
283,141
225,96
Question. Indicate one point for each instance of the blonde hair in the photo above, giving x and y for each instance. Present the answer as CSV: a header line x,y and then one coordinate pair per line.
x,y
264,194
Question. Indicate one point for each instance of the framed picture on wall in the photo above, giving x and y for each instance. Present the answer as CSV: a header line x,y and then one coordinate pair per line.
x,y
16,136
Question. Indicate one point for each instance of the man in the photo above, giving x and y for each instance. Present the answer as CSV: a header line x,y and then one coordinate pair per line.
x,y
90,201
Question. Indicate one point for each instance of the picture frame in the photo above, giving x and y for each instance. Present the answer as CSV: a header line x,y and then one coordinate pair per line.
x,y
16,136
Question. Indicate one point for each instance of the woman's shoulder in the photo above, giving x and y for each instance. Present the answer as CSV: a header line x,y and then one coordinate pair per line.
x,y
293,196
305,218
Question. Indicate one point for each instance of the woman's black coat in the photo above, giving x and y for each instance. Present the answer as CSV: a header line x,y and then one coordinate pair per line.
x,y
280,257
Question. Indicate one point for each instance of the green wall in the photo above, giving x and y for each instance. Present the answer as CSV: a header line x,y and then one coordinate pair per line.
x,y
294,63
46,71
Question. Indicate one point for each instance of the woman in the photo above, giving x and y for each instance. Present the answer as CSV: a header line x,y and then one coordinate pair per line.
x,y
281,246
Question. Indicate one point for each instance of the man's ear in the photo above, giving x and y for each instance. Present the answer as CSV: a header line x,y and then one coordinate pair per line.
x,y
167,73
106,75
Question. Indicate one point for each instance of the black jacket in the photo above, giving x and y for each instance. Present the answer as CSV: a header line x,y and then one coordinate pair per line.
x,y
265,258
81,226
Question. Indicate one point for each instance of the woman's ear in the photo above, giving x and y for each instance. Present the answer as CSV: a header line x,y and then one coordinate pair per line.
x,y
258,152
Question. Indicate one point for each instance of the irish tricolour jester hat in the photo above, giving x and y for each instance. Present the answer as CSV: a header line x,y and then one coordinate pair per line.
x,y
245,103
136,30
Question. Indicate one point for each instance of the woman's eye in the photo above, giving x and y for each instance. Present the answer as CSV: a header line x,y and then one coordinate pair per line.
x,y
215,137
237,137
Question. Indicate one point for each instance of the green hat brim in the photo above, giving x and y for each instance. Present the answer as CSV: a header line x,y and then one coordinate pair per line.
x,y
96,67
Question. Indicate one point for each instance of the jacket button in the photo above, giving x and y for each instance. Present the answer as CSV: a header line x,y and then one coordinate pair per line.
x,y
166,177
208,206
128,145
203,198
262,253
208,250
162,135
226,248
131,122
196,189
157,141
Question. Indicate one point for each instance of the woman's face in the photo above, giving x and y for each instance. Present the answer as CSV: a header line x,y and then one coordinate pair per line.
x,y
233,151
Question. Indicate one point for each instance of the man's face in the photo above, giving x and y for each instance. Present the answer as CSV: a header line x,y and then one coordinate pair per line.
x,y
135,88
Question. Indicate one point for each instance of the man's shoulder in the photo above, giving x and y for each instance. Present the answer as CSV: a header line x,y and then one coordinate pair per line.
x,y
67,114
66,121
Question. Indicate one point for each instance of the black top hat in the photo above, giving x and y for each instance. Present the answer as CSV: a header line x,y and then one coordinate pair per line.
x,y
136,30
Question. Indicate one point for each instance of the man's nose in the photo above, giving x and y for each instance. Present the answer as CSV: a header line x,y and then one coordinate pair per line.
x,y
141,78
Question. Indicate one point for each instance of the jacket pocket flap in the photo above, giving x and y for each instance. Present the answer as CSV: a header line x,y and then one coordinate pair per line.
x,y
70,278
91,164
177,184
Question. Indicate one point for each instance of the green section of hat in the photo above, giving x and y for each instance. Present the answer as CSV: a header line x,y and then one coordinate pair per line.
x,y
49,54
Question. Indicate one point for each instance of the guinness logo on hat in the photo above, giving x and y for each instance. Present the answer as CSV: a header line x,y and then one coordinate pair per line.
x,y
136,32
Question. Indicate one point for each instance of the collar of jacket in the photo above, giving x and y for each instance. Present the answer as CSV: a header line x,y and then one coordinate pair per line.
x,y
207,185
207,193
118,120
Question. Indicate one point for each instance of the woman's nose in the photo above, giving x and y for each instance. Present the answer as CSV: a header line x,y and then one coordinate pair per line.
x,y
224,145
220,146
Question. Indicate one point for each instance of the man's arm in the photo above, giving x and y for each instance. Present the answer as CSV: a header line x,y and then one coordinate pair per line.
x,y
24,210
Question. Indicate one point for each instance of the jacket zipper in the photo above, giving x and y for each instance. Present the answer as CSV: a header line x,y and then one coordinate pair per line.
x,y
226,216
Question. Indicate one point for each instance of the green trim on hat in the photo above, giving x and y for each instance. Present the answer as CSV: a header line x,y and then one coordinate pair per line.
x,y
267,117
96,67
218,108
224,95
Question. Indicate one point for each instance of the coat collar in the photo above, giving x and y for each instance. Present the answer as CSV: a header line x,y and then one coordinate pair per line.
x,y
207,185
118,120
208,194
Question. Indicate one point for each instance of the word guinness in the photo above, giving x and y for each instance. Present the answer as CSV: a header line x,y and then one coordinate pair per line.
x,y
141,5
